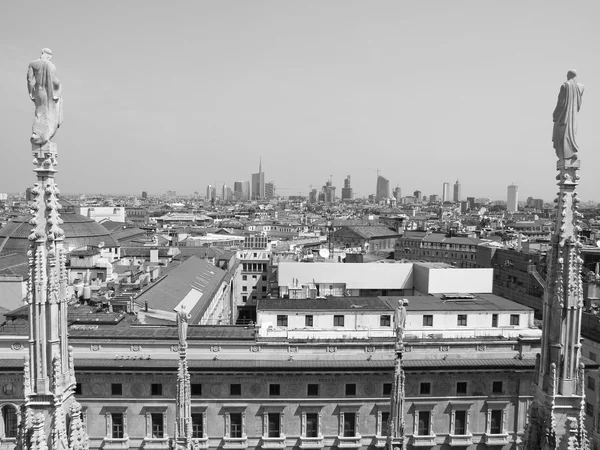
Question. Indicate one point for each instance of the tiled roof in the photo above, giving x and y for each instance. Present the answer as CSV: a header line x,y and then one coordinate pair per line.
x,y
14,264
370,232
80,231
192,275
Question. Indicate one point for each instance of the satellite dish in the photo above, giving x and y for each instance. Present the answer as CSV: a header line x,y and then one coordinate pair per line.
x,y
324,253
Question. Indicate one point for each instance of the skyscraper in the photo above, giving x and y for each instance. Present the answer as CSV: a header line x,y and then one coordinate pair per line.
x,y
456,197
269,190
209,190
446,192
347,190
329,192
383,189
512,200
258,184
418,195
238,190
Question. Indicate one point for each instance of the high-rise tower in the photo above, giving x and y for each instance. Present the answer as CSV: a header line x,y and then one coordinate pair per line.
x,y
457,193
50,415
512,198
258,183
446,192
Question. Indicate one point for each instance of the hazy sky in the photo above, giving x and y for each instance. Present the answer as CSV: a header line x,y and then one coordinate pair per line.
x,y
176,95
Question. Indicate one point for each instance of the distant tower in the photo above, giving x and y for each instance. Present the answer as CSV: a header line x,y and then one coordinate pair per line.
x,y
270,190
258,183
418,195
398,194
50,415
383,188
456,197
347,194
209,191
512,200
446,192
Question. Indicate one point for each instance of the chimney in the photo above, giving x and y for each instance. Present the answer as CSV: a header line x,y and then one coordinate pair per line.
x,y
154,255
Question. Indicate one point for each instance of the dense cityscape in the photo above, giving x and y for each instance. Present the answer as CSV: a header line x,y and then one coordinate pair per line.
x,y
252,314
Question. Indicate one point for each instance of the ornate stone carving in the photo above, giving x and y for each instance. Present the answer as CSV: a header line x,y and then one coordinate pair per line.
x,y
16,346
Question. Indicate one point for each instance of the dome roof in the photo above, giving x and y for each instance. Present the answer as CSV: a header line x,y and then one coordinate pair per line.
x,y
80,231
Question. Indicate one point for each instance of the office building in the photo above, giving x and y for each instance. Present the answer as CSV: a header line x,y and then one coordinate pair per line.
x,y
269,190
329,192
383,189
512,200
456,197
398,195
418,195
446,192
258,184
347,190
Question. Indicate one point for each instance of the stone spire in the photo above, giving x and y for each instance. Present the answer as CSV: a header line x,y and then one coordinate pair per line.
x,y
183,402
559,378
49,375
396,438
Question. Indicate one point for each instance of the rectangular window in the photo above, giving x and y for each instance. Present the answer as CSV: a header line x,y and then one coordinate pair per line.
x,y
461,388
196,389
78,389
460,422
312,424
497,387
117,425
387,388
197,426
495,320
496,421
235,389
425,388
273,425
264,288
282,321
589,409
424,423
235,430
116,389
338,321
385,320
274,389
592,356
428,320
156,389
462,320
312,390
157,425
244,298
244,288
591,383
385,418
244,277
349,424
351,389
308,321
514,319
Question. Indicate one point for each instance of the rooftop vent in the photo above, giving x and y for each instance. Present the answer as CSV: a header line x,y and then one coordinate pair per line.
x,y
459,297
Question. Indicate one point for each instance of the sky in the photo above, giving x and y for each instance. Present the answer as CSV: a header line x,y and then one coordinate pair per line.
x,y
177,95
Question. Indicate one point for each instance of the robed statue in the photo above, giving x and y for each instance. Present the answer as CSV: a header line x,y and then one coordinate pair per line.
x,y
46,92
400,318
182,325
564,132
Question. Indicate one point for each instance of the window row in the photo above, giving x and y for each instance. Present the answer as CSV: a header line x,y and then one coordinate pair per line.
x,y
385,320
461,320
235,389
310,422
313,389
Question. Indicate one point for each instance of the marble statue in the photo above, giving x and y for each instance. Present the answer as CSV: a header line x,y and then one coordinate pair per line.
x,y
46,92
182,325
565,119
400,318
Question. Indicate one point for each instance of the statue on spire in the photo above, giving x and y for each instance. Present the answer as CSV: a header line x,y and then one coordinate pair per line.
x,y
46,92
565,119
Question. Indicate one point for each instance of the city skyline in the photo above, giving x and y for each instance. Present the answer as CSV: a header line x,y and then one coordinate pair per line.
x,y
336,86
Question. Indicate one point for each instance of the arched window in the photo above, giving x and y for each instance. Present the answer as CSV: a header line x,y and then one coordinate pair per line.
x,y
9,420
